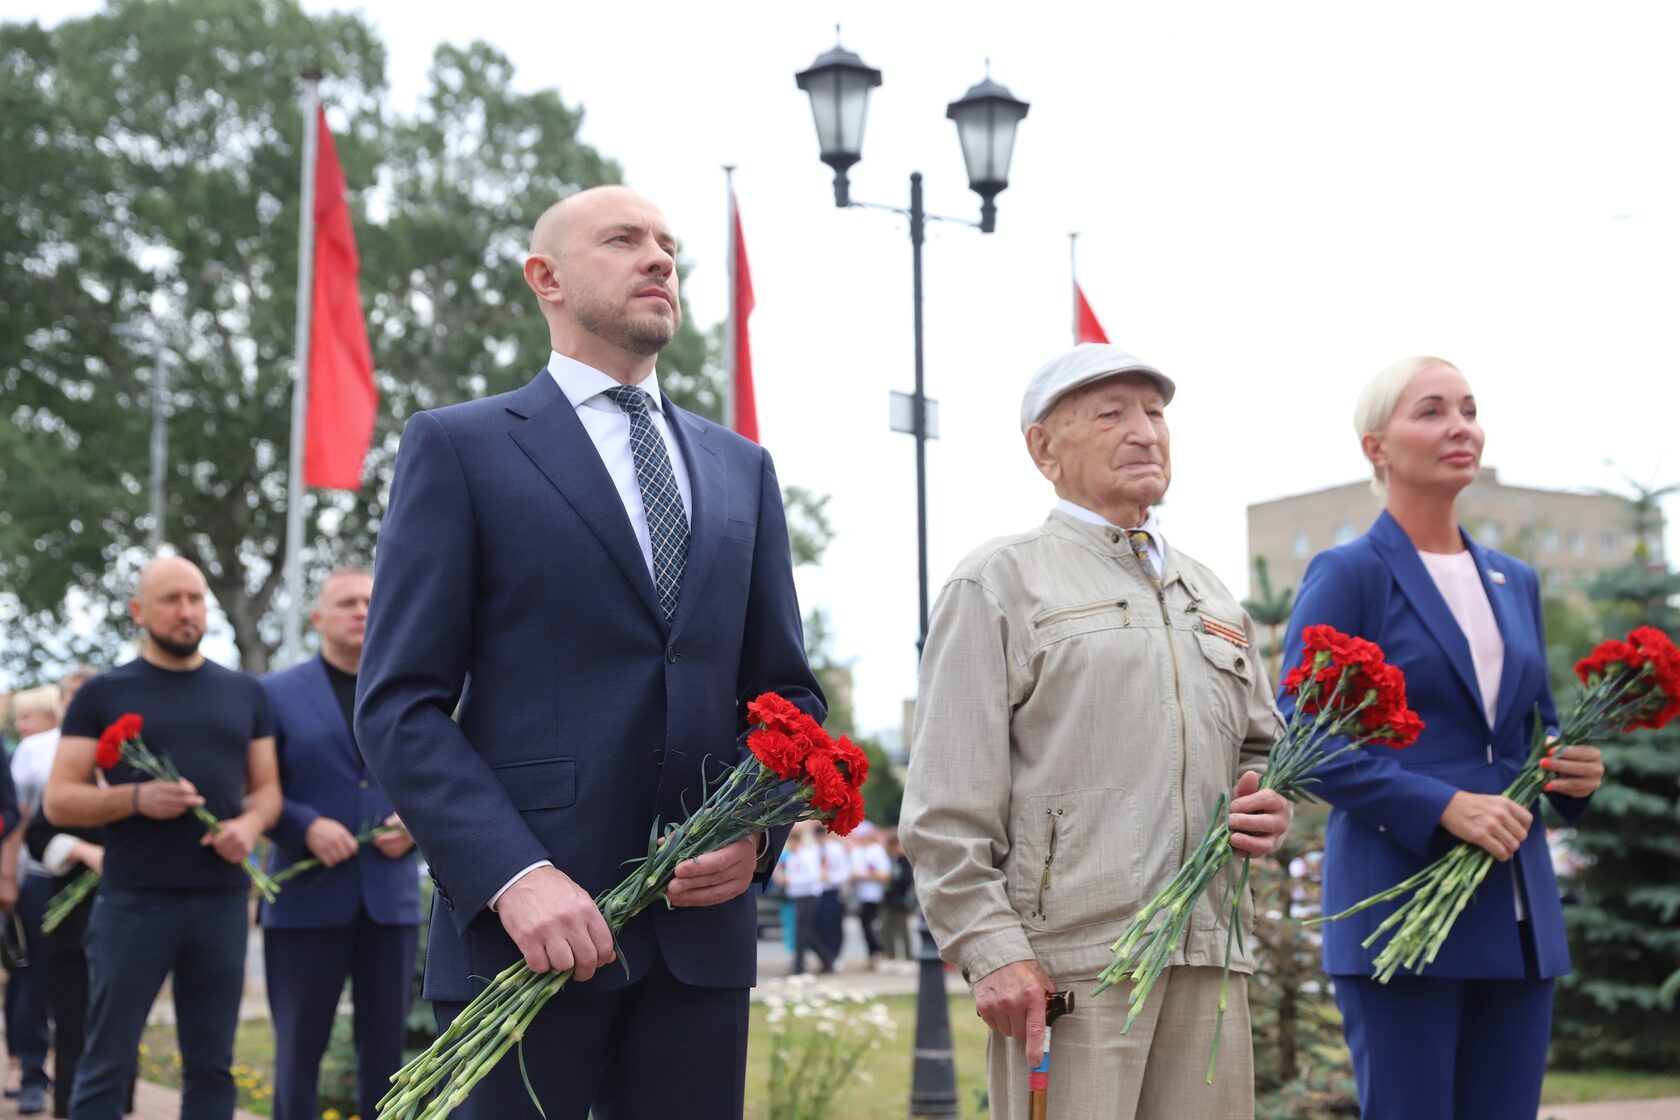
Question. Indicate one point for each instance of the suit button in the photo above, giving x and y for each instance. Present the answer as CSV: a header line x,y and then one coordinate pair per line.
x,y
363,784
671,655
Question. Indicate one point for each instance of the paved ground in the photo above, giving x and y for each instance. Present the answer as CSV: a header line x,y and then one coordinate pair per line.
x,y
1665,1109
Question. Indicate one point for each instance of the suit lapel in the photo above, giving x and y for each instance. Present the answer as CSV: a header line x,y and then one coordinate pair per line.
x,y
554,439
1511,630
708,484
1416,584
324,703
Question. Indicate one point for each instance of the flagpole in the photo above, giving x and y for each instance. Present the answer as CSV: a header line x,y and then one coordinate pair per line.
x,y
292,637
733,324
1073,282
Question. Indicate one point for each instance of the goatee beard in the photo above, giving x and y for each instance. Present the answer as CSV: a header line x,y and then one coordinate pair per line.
x,y
172,647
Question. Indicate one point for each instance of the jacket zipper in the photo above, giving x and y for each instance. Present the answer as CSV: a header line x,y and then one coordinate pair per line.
x,y
1049,856
1089,608
1183,720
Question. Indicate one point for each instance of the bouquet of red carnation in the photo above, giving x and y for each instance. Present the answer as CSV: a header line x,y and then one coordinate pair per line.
x,y
796,773
121,742
1629,685
1346,697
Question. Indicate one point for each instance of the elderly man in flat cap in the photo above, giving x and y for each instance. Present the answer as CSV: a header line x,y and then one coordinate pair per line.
x,y
1087,695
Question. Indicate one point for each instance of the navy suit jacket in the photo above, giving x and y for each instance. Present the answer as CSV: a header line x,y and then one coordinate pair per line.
x,y
1386,804
321,774
511,595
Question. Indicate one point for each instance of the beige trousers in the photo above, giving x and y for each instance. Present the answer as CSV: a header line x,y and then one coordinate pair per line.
x,y
1155,1072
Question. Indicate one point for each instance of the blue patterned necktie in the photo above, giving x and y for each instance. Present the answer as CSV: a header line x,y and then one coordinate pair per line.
x,y
661,500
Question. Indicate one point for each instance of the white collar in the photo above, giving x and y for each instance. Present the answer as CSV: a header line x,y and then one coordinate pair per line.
x,y
583,383
1078,512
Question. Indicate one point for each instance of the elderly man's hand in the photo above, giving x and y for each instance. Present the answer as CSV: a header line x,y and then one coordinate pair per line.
x,y
1011,1001
1259,817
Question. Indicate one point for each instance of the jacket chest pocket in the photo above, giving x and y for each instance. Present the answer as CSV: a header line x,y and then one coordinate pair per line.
x,y
1061,623
1224,681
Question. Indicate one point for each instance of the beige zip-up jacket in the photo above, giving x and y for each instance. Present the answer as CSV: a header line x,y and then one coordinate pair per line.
x,y
1074,732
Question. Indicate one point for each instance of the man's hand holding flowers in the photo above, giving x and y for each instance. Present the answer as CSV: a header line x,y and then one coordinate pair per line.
x,y
164,801
1259,817
716,876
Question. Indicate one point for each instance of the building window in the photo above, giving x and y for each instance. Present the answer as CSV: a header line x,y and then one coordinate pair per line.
x,y
1303,546
1578,544
1551,540
1345,533
1490,534
1607,545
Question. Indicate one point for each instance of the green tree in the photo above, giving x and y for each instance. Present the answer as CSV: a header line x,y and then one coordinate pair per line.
x,y
1618,1006
151,177
1271,611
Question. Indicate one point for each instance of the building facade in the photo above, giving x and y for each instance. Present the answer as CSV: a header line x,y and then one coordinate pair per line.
x,y
1568,537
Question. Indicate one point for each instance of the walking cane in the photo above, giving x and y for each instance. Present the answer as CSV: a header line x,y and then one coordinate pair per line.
x,y
1056,1004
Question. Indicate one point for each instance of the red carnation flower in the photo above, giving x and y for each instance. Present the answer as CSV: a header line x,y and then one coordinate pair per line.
x,y
776,713
848,816
830,790
111,740
780,753
856,763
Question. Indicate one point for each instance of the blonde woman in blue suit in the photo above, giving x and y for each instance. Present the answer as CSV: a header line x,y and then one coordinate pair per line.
x,y
1468,1038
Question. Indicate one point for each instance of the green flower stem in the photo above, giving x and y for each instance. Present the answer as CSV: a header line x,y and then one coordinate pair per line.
x,y
746,801
303,865
64,903
1419,927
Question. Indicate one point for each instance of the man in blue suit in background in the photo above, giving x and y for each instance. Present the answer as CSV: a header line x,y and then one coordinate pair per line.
x,y
592,582
358,916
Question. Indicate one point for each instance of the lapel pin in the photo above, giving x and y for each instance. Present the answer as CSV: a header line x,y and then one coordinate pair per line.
x,y
1497,577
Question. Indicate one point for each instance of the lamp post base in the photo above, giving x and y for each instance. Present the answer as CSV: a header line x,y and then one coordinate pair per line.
x,y
933,1078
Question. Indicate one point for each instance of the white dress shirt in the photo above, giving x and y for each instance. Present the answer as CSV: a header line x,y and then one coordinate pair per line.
x,y
1157,547
608,425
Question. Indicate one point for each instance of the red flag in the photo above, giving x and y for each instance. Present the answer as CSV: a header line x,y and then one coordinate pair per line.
x,y
746,409
342,396
1089,329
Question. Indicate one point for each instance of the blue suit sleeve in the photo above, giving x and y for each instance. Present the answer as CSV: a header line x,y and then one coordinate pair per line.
x,y
414,667
295,817
1368,784
773,649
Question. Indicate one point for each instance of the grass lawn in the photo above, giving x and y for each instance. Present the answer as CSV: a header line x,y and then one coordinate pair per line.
x,y
883,1091
1587,1086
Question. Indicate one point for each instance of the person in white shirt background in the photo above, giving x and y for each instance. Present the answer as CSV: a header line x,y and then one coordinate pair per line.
x,y
802,875
870,871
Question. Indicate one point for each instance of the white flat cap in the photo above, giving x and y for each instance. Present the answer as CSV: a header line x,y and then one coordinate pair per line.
x,y
1085,363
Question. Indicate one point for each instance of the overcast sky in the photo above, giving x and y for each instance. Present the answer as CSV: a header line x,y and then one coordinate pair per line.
x,y
1274,201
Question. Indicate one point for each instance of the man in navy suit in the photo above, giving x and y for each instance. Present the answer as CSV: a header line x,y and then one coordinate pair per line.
x,y
592,582
358,916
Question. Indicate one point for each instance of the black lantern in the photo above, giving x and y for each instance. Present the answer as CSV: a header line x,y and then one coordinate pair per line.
x,y
839,83
986,117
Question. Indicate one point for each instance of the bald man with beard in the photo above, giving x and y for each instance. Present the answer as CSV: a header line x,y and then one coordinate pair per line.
x,y
172,896
579,586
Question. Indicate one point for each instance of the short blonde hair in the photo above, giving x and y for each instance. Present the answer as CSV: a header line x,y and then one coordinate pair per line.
x,y
43,700
1378,399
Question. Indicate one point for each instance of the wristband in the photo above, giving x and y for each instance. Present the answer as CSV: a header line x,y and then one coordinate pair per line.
x,y
137,799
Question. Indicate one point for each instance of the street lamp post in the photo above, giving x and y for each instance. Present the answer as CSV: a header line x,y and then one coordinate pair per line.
x,y
838,84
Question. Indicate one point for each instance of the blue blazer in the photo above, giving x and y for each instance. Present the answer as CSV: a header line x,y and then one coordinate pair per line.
x,y
512,596
321,774
1386,804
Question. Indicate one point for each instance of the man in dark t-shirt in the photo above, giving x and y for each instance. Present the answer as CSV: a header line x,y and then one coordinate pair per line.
x,y
172,898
